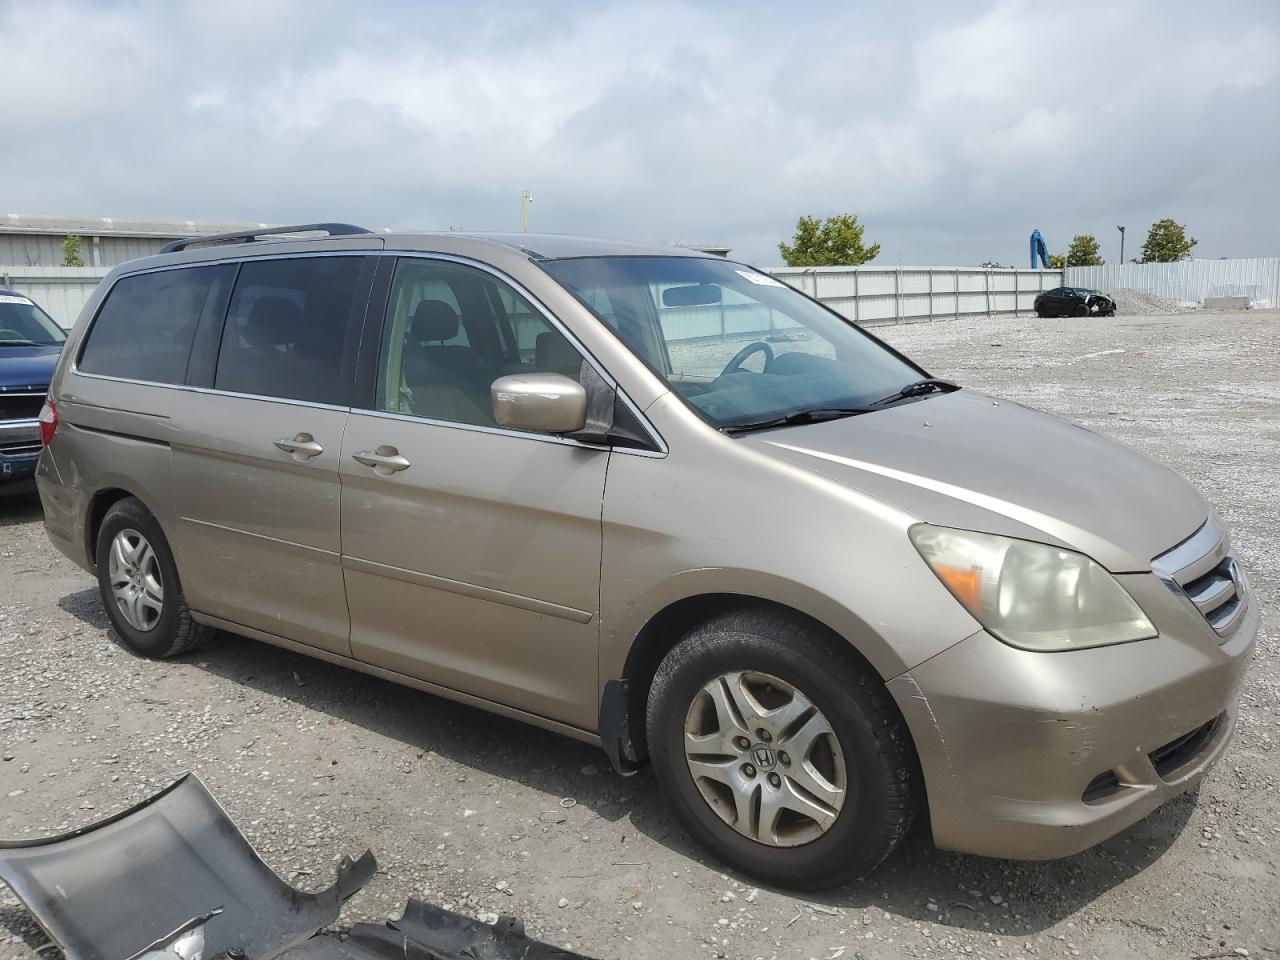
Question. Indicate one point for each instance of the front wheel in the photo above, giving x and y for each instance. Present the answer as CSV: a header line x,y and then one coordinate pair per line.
x,y
779,752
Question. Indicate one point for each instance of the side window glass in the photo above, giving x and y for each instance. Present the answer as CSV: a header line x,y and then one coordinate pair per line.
x,y
286,329
450,331
145,328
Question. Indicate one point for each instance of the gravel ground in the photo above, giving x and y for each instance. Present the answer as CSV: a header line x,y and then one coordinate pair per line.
x,y
465,809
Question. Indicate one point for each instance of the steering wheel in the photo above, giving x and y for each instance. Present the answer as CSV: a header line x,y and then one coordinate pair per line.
x,y
7,334
735,364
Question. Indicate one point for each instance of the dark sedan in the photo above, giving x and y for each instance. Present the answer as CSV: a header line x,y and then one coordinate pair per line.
x,y
1074,302
30,342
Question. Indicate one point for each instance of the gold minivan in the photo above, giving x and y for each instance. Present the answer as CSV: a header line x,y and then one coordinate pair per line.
x,y
658,501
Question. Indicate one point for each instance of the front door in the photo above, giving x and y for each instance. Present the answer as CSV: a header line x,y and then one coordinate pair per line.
x,y
471,553
256,452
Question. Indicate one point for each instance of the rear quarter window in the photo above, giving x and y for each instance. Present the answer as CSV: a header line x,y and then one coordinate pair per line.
x,y
145,327
288,328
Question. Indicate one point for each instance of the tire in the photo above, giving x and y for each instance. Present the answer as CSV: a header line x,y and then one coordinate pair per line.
x,y
1041,314
1081,311
166,628
870,748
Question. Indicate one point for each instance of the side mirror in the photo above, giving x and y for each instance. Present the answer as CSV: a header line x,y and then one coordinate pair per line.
x,y
545,402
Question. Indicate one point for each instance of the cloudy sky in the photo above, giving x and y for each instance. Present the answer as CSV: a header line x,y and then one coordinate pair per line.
x,y
951,128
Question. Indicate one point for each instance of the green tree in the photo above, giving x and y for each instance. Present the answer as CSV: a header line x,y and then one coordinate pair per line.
x,y
833,242
1057,261
1167,242
71,251
1083,251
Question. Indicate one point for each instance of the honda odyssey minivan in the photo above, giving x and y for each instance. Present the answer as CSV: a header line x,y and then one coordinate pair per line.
x,y
658,501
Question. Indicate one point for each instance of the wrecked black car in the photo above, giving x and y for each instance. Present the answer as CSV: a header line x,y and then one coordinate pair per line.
x,y
1074,302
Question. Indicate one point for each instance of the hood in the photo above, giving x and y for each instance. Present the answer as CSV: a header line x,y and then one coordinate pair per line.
x,y
970,461
28,366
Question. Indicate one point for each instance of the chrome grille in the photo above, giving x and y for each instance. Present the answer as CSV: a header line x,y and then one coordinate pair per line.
x,y
1206,571
21,406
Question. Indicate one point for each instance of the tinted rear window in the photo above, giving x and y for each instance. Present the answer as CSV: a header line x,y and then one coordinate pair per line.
x,y
145,327
287,329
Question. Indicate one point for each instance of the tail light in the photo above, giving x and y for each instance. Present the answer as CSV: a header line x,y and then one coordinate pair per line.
x,y
48,422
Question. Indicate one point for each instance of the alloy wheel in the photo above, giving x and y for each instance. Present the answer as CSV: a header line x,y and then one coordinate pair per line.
x,y
765,759
136,581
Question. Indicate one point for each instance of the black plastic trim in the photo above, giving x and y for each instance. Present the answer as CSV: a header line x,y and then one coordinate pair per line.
x,y
615,728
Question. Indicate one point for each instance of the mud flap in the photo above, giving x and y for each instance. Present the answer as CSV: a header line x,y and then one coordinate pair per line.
x,y
615,728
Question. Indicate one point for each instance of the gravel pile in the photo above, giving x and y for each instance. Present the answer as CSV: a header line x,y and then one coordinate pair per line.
x,y
1148,304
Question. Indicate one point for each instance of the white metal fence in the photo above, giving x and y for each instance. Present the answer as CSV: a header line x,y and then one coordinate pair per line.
x,y
1189,281
868,294
874,294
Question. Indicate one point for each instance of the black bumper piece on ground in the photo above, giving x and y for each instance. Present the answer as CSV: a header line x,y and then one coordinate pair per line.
x,y
174,879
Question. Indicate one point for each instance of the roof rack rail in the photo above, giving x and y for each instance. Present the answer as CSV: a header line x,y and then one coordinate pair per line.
x,y
248,236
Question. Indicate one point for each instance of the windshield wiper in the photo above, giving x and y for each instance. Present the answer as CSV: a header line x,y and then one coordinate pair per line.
x,y
919,389
812,415
18,343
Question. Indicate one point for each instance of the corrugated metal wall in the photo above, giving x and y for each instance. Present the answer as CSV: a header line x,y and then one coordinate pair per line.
x,y
878,294
1189,281
45,250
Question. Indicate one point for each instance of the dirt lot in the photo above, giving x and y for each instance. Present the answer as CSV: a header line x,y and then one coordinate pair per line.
x,y
314,761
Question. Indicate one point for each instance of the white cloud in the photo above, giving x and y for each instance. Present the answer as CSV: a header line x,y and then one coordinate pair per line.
x,y
951,129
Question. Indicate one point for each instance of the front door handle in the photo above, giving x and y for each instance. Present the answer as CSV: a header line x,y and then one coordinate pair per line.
x,y
301,447
385,460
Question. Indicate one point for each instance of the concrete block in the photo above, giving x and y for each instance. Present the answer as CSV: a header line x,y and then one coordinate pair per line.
x,y
1226,303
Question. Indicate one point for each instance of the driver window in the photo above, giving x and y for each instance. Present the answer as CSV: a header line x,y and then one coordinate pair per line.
x,y
450,331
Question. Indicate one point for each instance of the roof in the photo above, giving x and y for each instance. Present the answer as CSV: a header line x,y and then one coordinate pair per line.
x,y
559,246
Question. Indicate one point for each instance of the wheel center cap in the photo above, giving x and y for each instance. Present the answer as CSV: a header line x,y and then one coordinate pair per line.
x,y
763,756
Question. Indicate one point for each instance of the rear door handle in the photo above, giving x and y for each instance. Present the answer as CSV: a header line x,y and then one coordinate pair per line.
x,y
301,447
385,460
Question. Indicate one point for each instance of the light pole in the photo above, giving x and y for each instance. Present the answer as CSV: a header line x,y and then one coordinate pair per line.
x,y
1121,229
526,198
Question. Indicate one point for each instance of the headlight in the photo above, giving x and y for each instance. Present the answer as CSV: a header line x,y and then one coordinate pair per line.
x,y
1032,595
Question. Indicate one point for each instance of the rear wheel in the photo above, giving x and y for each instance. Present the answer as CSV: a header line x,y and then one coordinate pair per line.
x,y
779,753
139,584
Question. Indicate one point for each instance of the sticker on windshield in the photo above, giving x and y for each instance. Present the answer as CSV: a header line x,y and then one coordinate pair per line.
x,y
758,278
12,299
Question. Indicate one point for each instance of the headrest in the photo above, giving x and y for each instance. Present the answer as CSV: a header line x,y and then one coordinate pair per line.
x,y
273,321
552,353
434,320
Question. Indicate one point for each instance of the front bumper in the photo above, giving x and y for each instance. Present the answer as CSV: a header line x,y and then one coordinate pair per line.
x,y
19,449
1011,741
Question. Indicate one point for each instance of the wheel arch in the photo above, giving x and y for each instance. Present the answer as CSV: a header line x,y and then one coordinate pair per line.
x,y
102,501
623,702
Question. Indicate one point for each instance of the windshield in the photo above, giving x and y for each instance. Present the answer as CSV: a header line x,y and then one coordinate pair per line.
x,y
22,323
737,345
